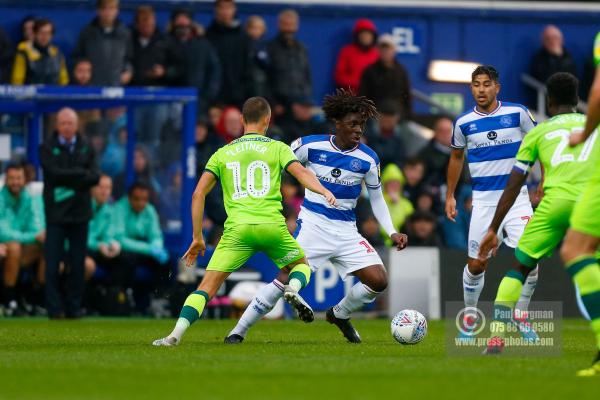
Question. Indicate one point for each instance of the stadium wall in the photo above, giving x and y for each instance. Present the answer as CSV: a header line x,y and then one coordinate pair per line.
x,y
506,38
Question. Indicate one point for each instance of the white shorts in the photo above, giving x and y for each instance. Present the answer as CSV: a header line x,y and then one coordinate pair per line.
x,y
511,229
347,250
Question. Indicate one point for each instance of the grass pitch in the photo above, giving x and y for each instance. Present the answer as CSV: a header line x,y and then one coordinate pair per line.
x,y
113,359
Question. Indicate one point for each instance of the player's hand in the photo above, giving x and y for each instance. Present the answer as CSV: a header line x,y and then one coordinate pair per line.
x,y
451,212
330,198
489,243
576,138
400,240
196,247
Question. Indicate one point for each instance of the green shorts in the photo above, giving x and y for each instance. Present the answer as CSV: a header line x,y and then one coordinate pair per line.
x,y
240,242
545,230
586,215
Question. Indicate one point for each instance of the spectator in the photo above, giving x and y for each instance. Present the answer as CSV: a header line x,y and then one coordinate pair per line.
x,y
427,201
27,28
552,57
355,57
290,194
69,172
386,134
137,228
437,152
170,199
82,72
290,67
149,50
230,125
143,173
6,56
38,62
456,233
22,234
192,61
370,230
421,228
102,247
300,121
387,78
256,29
414,171
400,208
106,42
233,50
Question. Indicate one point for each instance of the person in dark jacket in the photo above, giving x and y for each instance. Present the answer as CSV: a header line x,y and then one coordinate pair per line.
x,y
149,50
38,62
299,121
290,67
387,78
387,135
256,28
6,56
553,57
233,48
106,42
192,61
70,171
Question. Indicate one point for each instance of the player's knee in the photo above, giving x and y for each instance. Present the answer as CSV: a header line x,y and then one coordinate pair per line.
x,y
476,267
379,283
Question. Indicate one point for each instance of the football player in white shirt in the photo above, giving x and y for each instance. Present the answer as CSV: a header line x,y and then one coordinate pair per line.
x,y
491,134
327,234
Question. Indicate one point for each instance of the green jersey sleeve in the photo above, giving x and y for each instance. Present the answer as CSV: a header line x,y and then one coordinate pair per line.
x,y
528,151
213,165
286,155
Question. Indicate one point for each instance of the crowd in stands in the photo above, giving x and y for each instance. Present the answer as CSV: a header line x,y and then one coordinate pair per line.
x,y
227,61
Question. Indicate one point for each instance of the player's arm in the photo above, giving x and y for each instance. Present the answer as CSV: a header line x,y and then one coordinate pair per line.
x,y
205,185
516,180
310,181
455,166
382,214
593,114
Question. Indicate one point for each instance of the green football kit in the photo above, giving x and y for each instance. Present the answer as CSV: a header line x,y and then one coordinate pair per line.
x,y
567,171
249,169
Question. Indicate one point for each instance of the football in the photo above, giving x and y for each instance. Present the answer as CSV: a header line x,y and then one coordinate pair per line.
x,y
409,327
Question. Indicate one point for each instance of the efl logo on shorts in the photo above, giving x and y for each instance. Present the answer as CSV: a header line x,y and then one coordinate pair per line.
x,y
289,257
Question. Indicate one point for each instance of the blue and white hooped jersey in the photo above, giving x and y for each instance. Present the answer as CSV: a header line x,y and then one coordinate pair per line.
x,y
342,172
492,141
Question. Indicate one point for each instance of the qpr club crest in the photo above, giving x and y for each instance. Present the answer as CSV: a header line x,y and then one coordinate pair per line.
x,y
492,135
355,165
506,121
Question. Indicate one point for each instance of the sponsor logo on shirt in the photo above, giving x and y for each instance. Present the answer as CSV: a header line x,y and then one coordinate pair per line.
x,y
492,135
336,172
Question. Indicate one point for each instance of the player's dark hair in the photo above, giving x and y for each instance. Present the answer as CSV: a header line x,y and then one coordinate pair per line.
x,y
255,109
562,89
486,70
343,102
139,185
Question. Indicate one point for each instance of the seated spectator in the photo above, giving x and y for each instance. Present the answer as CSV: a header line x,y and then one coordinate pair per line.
x,y
106,42
102,246
421,228
426,201
400,207
170,199
6,56
300,121
356,56
387,78
233,48
22,235
192,60
143,172
552,57
290,194
82,72
370,230
230,124
386,134
437,153
27,28
414,171
290,76
256,28
137,228
39,62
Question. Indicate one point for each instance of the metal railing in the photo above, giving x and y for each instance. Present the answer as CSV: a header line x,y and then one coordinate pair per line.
x,y
540,90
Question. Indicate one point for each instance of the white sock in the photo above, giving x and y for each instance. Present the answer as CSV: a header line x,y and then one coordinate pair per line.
x,y
261,304
472,287
357,297
180,327
295,284
528,289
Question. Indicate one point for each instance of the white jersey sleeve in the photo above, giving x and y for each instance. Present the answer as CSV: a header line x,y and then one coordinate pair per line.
x,y
300,151
527,120
458,138
373,176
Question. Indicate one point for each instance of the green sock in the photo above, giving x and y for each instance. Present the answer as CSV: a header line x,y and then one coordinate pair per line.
x,y
585,272
194,306
300,276
506,298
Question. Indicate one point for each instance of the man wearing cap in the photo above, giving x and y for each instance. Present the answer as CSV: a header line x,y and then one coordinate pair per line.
x,y
387,78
